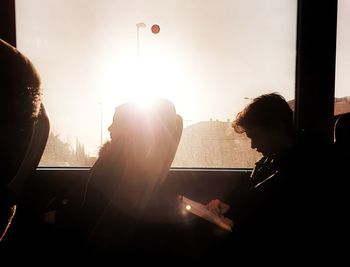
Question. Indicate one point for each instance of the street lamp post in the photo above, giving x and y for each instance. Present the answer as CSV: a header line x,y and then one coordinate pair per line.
x,y
138,26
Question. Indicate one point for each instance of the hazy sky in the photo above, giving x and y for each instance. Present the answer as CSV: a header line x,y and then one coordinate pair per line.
x,y
208,58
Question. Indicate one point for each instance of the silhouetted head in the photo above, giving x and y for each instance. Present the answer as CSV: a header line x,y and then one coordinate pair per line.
x,y
21,99
129,122
148,124
268,122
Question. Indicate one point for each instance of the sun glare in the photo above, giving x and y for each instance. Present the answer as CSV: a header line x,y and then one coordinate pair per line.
x,y
157,75
146,103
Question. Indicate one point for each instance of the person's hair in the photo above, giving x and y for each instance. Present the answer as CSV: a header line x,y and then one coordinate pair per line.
x,y
20,83
21,101
268,111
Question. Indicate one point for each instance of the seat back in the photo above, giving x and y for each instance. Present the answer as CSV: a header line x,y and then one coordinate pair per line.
x,y
342,135
129,176
35,149
149,140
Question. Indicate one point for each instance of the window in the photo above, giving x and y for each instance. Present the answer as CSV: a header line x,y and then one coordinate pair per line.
x,y
342,81
209,57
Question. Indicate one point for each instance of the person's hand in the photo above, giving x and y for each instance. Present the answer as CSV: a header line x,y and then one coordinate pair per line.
x,y
218,207
228,222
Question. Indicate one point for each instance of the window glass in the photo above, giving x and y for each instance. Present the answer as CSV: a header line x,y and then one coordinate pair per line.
x,y
342,80
209,57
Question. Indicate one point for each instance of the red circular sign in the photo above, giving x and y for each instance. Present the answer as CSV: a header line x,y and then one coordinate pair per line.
x,y
155,28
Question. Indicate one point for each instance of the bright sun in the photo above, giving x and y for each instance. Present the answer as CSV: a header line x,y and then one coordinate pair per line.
x,y
156,76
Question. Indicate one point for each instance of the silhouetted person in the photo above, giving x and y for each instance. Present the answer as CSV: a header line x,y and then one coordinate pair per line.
x,y
21,97
268,123
270,215
125,213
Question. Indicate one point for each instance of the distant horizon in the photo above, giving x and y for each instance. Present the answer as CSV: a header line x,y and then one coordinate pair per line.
x,y
229,120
